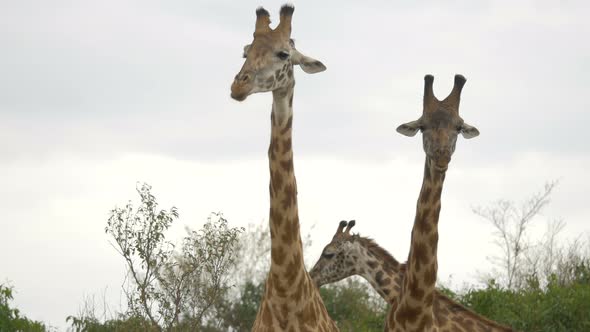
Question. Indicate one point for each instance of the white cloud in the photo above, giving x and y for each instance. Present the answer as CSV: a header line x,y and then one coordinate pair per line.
x,y
113,74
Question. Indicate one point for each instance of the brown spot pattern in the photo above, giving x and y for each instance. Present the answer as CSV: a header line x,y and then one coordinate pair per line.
x,y
415,289
290,195
420,256
425,195
278,255
291,301
288,126
372,264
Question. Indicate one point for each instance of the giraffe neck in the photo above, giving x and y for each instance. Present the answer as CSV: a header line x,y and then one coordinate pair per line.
x,y
286,247
385,274
382,271
422,263
414,311
291,301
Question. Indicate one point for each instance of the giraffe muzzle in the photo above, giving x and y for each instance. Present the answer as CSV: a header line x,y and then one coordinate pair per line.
x,y
242,86
240,91
442,162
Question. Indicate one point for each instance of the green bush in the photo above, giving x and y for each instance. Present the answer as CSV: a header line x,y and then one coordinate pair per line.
x,y
553,309
354,306
11,319
240,314
130,324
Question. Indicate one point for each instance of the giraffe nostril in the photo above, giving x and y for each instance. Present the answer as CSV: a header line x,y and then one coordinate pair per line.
x,y
245,78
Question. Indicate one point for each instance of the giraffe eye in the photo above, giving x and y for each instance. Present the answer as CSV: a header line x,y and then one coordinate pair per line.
x,y
327,255
283,55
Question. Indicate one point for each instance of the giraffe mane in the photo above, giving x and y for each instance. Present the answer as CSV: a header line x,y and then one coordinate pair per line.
x,y
382,254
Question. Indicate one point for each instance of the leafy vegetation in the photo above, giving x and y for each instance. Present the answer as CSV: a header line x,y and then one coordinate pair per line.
x,y
354,306
11,318
198,285
167,289
556,307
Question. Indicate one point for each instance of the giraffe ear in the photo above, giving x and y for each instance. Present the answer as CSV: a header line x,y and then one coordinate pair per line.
x,y
309,65
409,129
469,131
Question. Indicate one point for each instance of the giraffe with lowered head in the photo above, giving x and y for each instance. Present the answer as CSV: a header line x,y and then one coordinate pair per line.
x,y
351,254
291,301
440,125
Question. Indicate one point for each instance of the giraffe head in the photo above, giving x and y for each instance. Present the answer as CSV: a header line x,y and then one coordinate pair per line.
x,y
270,57
338,257
440,124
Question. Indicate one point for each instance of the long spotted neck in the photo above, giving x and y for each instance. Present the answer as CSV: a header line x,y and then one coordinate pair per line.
x,y
286,248
382,271
422,262
418,288
385,274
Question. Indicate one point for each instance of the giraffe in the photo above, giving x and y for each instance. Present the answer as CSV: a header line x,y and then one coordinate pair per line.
x,y
351,254
440,124
291,301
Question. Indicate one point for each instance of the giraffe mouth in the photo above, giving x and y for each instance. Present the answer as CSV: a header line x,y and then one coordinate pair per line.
x,y
239,97
441,166
240,91
437,163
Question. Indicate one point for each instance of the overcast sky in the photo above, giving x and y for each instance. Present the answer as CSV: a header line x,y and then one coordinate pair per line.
x,y
97,95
